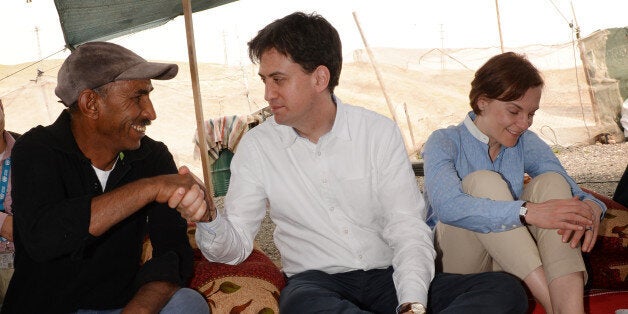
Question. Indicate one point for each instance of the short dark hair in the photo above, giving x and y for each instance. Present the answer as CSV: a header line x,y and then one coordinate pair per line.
x,y
308,39
504,77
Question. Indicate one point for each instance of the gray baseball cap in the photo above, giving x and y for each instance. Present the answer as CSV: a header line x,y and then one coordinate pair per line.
x,y
94,64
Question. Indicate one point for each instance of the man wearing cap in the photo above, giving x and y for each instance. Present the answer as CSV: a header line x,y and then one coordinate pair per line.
x,y
89,188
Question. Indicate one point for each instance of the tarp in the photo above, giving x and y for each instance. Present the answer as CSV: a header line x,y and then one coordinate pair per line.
x,y
89,20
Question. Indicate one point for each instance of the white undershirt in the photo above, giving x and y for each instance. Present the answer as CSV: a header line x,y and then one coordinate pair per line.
x,y
102,175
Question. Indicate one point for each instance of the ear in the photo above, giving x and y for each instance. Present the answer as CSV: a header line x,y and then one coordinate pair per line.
x,y
482,102
87,104
321,78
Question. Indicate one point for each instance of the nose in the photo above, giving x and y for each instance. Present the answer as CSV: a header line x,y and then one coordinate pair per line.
x,y
270,91
148,111
524,122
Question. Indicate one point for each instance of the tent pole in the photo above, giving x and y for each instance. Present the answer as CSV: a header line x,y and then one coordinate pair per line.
x,y
381,84
499,26
198,106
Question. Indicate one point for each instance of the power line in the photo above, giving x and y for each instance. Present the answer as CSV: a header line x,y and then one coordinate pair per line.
x,y
32,64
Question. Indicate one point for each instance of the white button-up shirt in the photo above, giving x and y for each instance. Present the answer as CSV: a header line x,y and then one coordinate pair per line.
x,y
348,202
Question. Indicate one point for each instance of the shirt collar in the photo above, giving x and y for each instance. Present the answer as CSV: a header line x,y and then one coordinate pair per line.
x,y
340,128
473,129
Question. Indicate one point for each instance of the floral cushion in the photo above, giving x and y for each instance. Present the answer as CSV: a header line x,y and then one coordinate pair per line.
x,y
252,286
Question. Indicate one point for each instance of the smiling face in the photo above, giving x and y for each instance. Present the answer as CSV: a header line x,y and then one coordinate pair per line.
x,y
124,111
504,121
289,90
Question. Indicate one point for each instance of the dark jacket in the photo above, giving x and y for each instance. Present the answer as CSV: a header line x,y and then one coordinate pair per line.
x,y
59,266
621,192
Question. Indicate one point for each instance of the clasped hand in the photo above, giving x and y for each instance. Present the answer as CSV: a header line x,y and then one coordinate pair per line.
x,y
185,193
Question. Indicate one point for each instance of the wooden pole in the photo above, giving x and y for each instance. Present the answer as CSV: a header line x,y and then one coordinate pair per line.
x,y
405,110
586,66
379,78
499,26
196,91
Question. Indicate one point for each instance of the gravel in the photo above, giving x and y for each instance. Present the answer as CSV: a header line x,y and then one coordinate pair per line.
x,y
596,167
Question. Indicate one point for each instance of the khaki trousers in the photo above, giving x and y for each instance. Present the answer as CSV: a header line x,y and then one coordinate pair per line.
x,y
518,251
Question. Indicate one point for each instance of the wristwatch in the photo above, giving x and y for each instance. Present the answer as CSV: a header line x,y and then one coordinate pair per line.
x,y
523,211
414,308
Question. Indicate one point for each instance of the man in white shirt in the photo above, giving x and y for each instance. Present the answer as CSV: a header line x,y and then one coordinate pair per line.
x,y
348,213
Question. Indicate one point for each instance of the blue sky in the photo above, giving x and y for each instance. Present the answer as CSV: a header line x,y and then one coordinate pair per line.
x,y
391,23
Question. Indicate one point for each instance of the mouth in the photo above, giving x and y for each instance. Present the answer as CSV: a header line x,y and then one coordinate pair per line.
x,y
141,127
514,133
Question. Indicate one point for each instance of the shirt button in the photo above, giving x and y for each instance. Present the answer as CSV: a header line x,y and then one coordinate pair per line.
x,y
324,180
332,208
318,154
345,230
360,256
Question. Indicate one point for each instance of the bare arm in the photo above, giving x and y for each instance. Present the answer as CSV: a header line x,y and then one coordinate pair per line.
x,y
151,297
110,208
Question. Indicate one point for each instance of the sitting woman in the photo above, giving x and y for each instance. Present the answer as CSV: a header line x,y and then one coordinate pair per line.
x,y
487,218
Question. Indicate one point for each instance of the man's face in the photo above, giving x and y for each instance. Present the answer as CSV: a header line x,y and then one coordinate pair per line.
x,y
288,89
123,114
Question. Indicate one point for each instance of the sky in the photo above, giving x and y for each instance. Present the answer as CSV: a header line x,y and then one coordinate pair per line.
x,y
31,31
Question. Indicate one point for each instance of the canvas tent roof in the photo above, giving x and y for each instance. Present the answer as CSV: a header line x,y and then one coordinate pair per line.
x,y
89,20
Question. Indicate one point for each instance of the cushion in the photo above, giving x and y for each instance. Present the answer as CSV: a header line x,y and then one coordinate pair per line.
x,y
252,286
607,263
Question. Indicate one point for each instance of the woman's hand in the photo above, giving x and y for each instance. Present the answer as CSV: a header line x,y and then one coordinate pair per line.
x,y
563,214
590,232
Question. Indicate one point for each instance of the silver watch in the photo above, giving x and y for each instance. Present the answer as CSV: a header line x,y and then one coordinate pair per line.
x,y
417,308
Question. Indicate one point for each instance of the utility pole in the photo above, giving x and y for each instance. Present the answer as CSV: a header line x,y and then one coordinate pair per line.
x,y
442,48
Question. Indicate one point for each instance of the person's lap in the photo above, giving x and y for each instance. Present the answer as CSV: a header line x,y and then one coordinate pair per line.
x,y
373,292
185,300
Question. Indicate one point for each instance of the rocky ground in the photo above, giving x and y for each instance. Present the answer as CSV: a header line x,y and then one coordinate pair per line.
x,y
596,167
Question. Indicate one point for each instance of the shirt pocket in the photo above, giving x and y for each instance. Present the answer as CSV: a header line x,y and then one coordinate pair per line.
x,y
360,202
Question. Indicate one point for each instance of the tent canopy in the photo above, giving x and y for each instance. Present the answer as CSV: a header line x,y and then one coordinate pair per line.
x,y
89,20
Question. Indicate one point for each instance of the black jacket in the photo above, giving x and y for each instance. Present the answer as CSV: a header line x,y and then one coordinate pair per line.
x,y
59,266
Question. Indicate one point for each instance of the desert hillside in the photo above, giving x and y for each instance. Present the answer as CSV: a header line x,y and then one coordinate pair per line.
x,y
434,98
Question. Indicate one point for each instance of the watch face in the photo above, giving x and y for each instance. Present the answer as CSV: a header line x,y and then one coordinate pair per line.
x,y
417,308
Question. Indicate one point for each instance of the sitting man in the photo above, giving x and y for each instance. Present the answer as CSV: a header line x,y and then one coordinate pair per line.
x,y
89,188
348,212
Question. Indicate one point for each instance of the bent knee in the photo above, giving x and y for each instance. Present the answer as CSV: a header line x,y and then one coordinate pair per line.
x,y
486,184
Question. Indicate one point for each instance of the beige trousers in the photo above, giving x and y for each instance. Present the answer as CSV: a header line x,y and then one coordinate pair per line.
x,y
518,251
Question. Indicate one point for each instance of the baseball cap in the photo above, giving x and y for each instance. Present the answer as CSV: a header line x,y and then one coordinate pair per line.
x,y
94,64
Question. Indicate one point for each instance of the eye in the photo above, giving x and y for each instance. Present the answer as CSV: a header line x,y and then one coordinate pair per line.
x,y
277,80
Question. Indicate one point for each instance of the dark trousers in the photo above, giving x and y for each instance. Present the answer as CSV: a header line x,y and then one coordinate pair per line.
x,y
373,291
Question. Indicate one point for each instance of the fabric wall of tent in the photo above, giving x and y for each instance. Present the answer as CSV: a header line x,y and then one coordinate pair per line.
x,y
31,104
606,52
89,20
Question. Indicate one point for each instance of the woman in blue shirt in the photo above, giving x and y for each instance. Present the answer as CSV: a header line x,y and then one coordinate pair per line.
x,y
488,219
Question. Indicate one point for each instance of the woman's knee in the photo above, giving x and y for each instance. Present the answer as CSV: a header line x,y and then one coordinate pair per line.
x,y
547,186
488,184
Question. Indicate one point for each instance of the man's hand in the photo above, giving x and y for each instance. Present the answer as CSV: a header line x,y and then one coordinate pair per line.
x,y
7,228
194,204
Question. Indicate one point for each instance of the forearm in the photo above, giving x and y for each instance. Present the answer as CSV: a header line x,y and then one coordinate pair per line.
x,y
151,297
110,208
